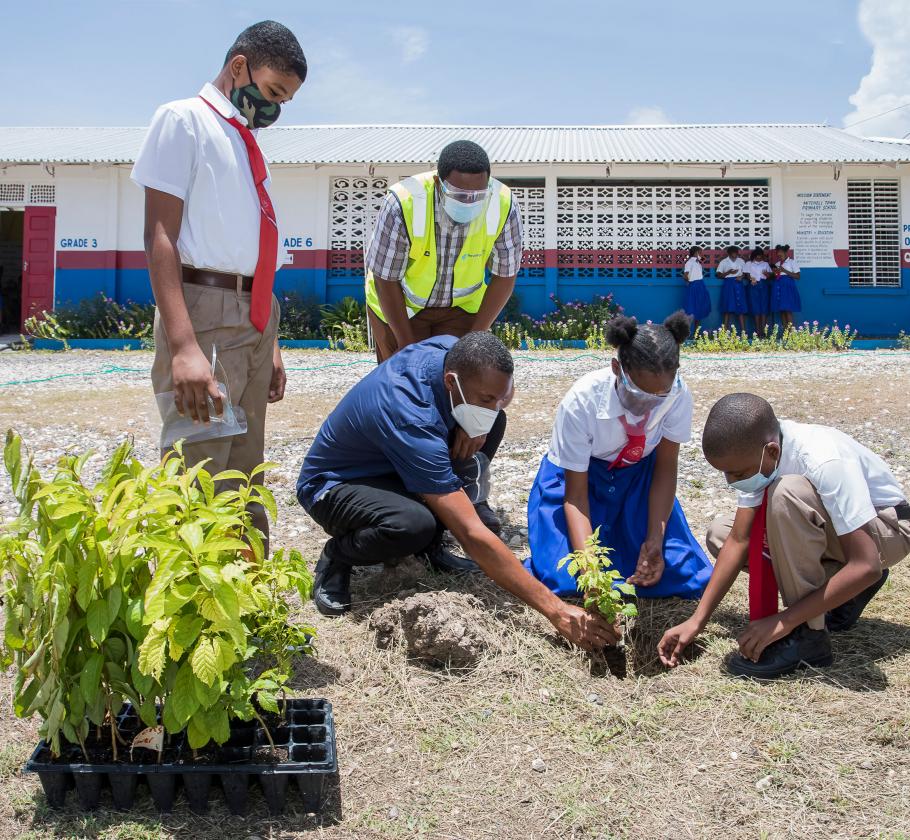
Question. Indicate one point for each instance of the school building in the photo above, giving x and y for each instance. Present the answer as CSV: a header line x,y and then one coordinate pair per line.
x,y
605,209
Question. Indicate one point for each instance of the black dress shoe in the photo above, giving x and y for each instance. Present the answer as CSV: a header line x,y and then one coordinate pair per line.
x,y
439,558
332,583
488,517
799,649
847,614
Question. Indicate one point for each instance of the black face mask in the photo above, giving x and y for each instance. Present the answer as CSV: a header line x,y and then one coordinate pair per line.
x,y
259,112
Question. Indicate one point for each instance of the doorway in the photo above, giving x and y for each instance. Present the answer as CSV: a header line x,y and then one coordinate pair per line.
x,y
12,226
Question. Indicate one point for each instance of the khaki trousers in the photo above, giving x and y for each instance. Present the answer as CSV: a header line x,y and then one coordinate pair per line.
x,y
449,320
221,318
805,550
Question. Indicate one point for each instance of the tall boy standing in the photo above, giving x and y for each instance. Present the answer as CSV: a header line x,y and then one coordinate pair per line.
x,y
819,515
211,239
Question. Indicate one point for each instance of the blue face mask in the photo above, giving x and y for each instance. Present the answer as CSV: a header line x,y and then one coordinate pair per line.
x,y
462,213
759,481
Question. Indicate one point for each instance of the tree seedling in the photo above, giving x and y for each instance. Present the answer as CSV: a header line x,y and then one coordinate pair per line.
x,y
149,586
597,580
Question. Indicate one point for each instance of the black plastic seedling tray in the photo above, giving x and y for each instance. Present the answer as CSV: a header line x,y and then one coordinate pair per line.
x,y
305,755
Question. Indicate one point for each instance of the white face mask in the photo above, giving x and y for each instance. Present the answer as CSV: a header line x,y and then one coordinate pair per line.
x,y
474,419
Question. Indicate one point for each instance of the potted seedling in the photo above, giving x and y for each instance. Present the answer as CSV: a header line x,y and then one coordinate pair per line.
x,y
145,599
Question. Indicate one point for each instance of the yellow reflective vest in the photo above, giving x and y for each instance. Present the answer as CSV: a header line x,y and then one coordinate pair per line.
x,y
416,195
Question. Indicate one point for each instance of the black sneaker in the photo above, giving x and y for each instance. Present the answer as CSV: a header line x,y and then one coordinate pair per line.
x,y
332,583
847,614
799,649
439,558
488,517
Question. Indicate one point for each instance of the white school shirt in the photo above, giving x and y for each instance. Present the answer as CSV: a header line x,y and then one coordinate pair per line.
x,y
852,481
790,265
737,265
757,270
191,153
693,266
587,422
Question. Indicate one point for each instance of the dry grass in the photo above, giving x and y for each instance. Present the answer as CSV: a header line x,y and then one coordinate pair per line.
x,y
445,754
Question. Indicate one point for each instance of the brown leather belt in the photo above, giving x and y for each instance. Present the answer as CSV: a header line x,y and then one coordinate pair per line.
x,y
217,279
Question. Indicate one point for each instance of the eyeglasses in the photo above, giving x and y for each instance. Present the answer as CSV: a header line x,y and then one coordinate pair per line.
x,y
464,196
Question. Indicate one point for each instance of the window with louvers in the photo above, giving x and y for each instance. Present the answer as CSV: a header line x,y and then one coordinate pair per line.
x,y
873,223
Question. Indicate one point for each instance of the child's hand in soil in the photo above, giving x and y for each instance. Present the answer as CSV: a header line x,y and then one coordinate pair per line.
x,y
672,644
650,567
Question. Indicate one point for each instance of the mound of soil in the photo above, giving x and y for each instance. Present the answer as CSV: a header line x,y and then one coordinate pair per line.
x,y
440,628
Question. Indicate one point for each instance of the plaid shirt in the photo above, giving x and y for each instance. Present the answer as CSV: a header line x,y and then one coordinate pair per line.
x,y
387,255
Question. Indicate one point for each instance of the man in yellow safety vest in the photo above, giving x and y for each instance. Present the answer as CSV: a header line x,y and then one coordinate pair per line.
x,y
436,236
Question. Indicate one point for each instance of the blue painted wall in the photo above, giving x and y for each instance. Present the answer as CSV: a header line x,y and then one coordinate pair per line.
x,y
825,292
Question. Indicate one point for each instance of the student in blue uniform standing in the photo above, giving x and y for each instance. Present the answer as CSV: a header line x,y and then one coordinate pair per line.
x,y
733,293
785,297
757,289
698,301
612,465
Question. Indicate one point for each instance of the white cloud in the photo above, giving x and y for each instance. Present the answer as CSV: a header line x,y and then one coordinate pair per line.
x,y
647,115
412,41
342,86
886,25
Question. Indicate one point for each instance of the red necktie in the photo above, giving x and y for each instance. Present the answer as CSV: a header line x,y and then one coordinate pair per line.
x,y
264,278
762,582
634,449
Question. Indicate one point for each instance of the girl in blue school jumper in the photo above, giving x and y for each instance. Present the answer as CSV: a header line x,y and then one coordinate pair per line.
x,y
612,465
757,291
785,297
698,302
733,293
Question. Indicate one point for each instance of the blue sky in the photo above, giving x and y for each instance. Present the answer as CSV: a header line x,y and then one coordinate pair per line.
x,y
510,62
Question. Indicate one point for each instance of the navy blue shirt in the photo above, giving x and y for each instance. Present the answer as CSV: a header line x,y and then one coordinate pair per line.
x,y
397,419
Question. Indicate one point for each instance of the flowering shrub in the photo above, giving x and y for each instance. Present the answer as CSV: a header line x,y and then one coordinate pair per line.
x,y
573,320
96,317
300,317
805,338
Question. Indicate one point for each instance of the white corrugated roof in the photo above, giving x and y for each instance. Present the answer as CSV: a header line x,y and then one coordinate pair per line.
x,y
411,144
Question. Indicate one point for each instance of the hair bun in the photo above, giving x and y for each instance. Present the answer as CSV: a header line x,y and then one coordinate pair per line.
x,y
621,330
678,325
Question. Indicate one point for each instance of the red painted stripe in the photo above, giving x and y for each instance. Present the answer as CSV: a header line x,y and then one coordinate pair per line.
x,y
104,260
905,257
312,258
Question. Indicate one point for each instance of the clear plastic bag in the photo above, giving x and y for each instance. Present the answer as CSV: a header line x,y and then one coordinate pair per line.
x,y
174,426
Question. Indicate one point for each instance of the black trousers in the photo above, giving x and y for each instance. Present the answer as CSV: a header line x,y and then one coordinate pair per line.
x,y
375,520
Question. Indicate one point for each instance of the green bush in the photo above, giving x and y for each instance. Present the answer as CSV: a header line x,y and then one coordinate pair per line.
x,y
149,586
300,318
903,340
97,317
569,321
804,338
346,322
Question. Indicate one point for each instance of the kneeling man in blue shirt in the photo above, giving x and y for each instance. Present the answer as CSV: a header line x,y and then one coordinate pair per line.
x,y
379,478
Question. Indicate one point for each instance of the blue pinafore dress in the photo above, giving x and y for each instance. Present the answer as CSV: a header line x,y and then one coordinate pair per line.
x,y
784,294
618,496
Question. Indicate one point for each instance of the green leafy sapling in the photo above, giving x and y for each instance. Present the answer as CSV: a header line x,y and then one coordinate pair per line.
x,y
597,580
149,586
